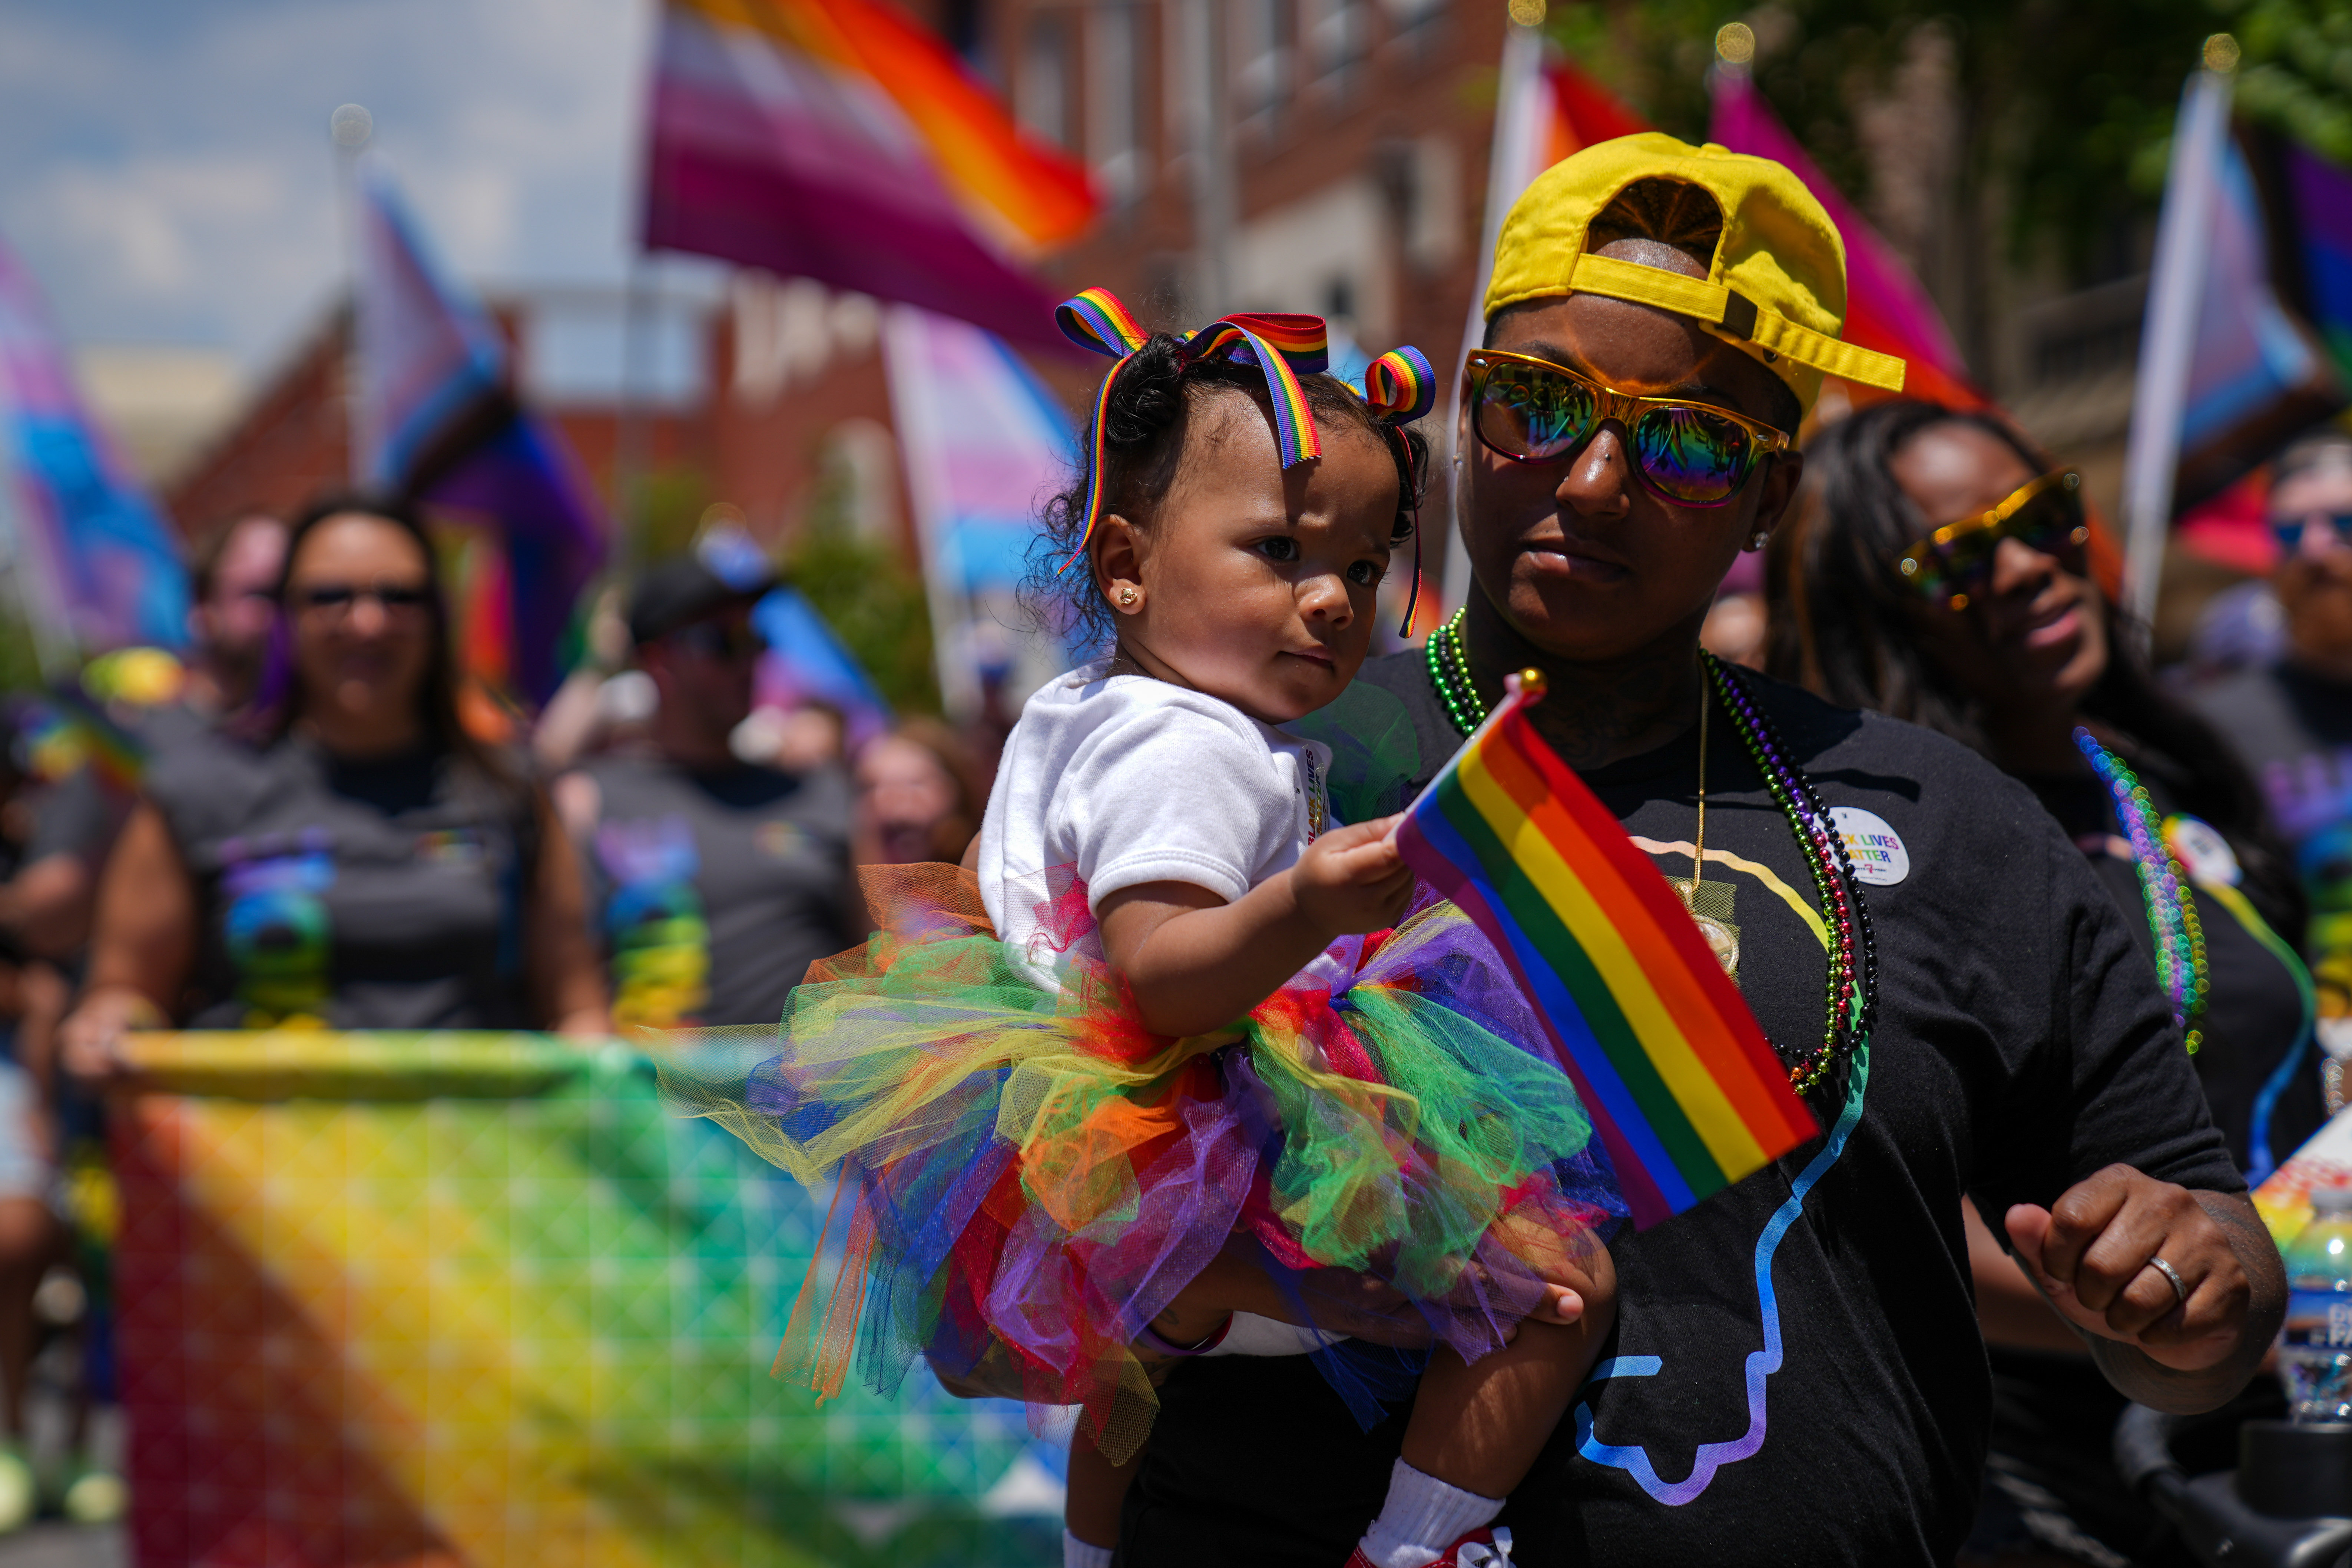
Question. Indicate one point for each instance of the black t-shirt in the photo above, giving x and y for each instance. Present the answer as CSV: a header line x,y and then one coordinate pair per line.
x,y
378,894
1796,1374
2294,731
2254,1013
715,891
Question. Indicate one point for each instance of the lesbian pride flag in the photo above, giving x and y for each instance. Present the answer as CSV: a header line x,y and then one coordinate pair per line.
x,y
1885,308
837,139
1677,1076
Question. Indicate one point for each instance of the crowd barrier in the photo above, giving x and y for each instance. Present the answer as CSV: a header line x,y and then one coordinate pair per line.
x,y
453,1298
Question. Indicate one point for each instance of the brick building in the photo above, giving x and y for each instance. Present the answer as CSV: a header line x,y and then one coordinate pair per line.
x,y
1353,135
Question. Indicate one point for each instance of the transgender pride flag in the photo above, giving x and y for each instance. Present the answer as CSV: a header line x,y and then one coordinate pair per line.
x,y
837,139
96,565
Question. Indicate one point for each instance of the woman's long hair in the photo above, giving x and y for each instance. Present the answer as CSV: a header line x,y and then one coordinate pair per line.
x,y
1841,623
280,702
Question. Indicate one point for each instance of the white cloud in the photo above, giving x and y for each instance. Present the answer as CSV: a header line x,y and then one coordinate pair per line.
x,y
164,167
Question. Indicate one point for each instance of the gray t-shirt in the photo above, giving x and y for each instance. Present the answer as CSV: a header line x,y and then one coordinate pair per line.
x,y
376,895
714,892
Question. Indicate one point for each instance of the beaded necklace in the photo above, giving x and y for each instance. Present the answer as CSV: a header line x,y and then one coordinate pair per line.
x,y
1851,987
1449,672
2171,911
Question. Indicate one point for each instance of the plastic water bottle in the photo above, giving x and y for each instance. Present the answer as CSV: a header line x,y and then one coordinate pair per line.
x,y
2314,1352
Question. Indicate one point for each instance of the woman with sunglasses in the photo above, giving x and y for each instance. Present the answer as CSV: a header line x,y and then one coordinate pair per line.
x,y
359,860
1793,1375
1941,576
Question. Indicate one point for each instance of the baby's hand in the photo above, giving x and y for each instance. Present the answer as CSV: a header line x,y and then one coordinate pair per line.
x,y
1559,1305
1352,880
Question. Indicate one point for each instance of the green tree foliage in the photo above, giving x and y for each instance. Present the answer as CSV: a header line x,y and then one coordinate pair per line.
x,y
2065,107
869,595
2297,71
665,509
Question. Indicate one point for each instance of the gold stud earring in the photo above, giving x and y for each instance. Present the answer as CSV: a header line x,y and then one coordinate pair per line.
x,y
1127,596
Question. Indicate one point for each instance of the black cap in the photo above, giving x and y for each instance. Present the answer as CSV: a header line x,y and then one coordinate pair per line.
x,y
681,591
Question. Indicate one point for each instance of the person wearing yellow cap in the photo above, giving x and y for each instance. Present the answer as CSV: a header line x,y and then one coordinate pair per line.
x,y
1796,1374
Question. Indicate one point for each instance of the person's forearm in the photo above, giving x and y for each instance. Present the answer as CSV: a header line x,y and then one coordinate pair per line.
x,y
2145,1381
1203,969
49,904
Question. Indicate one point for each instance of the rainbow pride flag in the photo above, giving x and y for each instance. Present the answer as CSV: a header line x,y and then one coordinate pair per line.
x,y
1686,1093
476,1299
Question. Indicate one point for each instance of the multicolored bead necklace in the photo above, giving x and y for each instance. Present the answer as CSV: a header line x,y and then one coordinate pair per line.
x,y
1853,980
2171,910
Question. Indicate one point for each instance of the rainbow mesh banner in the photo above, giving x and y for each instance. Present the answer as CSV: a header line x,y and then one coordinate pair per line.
x,y
476,1299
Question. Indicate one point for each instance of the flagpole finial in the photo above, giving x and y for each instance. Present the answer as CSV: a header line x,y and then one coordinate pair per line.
x,y
1527,685
350,126
2221,53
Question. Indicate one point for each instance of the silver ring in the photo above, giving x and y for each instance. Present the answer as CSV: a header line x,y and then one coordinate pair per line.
x,y
2179,1288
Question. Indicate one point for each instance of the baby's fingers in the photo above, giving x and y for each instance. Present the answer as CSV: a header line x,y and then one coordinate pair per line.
x,y
1559,1305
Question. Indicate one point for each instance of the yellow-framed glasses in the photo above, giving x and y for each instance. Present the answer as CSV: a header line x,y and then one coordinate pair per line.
x,y
1955,562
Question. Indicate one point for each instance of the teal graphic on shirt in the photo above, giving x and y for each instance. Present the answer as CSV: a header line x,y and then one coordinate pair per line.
x,y
655,925
278,933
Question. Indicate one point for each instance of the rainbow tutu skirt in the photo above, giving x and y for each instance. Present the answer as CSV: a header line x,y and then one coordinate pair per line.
x,y
1024,1177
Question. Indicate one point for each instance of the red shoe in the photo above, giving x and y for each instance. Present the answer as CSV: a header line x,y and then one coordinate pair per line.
x,y
1479,1549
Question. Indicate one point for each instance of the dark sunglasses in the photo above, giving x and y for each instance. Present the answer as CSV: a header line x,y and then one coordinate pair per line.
x,y
1692,454
392,598
1955,561
2289,532
711,639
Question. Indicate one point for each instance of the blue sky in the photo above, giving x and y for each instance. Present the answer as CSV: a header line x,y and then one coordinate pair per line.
x,y
165,168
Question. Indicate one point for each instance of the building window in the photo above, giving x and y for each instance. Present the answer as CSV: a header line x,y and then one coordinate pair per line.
x,y
1261,61
1411,20
1337,35
1114,104
1042,92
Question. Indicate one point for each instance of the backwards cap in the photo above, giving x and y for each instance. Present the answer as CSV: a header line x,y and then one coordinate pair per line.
x,y
1776,287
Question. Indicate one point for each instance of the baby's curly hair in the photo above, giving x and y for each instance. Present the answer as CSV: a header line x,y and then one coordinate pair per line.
x,y
1145,425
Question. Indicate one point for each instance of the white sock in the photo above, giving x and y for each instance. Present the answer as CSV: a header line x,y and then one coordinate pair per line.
x,y
1076,1553
1420,1517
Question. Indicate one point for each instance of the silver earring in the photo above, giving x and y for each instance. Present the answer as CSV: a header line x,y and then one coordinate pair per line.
x,y
1757,543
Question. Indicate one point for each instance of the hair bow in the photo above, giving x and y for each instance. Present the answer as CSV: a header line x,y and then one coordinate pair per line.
x,y
1400,385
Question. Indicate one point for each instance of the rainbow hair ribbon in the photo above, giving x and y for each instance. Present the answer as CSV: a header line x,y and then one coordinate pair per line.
x,y
1400,385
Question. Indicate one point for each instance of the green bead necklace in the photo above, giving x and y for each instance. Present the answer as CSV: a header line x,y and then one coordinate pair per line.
x,y
1449,673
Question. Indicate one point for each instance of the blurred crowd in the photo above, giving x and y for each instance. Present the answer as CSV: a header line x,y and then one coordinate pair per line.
x,y
308,821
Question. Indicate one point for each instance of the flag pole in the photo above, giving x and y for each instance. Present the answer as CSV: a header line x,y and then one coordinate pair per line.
x,y
2168,331
1509,165
349,128
1212,149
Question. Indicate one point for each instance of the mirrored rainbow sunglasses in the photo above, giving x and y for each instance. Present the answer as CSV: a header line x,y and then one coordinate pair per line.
x,y
1692,454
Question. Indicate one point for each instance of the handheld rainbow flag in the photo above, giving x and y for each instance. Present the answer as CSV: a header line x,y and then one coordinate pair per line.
x,y
1685,1091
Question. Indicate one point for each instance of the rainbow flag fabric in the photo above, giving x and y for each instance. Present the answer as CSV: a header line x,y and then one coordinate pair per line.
x,y
443,1300
841,141
1686,1093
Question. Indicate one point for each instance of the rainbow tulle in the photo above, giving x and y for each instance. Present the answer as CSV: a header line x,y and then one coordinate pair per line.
x,y
1026,1176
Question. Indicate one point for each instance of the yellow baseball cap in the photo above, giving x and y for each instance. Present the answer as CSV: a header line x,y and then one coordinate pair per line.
x,y
1776,287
